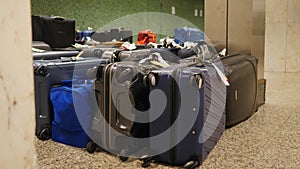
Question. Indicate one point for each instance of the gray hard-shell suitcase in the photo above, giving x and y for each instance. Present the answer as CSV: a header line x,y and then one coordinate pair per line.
x,y
111,85
48,73
50,55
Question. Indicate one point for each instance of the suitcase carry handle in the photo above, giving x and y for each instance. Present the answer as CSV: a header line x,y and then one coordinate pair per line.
x,y
59,19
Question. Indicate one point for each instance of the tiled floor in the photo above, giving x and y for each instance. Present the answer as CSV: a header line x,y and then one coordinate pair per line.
x,y
269,139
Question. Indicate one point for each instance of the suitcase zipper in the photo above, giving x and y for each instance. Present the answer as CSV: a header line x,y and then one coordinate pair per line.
x,y
236,95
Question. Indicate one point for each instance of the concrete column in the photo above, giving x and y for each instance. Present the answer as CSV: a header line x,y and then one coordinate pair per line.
x,y
17,114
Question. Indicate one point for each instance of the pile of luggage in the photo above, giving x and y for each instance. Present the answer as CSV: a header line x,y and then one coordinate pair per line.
x,y
165,103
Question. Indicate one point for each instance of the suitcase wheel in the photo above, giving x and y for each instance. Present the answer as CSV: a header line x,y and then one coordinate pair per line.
x,y
147,162
44,134
91,147
41,71
192,164
123,158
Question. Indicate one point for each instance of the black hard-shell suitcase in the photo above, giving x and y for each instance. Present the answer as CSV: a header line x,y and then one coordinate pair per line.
x,y
48,73
102,36
105,53
168,54
241,71
120,34
111,85
194,115
125,35
115,34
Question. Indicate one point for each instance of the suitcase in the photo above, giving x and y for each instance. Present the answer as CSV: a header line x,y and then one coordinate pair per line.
x,y
125,35
134,55
41,45
73,109
168,54
194,115
110,104
188,35
51,72
112,54
114,33
102,36
261,92
90,52
50,55
241,70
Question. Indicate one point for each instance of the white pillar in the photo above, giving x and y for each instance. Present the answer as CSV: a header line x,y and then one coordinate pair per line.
x,y
17,120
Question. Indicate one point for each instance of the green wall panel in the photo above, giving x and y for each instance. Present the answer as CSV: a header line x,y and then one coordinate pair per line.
x,y
96,13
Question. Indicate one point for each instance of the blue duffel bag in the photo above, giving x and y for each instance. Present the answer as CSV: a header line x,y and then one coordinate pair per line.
x,y
71,103
186,34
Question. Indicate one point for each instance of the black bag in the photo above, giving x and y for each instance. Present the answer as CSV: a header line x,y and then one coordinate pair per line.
x,y
59,31
56,31
37,28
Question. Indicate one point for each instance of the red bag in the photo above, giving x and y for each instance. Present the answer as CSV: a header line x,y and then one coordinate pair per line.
x,y
144,37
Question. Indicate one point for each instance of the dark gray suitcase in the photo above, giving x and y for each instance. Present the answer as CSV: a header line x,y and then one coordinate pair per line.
x,y
241,70
102,36
125,35
110,104
50,55
41,45
48,73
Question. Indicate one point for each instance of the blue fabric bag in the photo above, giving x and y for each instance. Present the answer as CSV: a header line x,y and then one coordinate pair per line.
x,y
71,103
186,34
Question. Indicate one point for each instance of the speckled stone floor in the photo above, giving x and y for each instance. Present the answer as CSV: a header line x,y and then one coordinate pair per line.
x,y
269,139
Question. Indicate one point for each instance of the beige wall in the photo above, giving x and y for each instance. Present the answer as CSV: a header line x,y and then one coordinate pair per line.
x,y
215,20
16,87
246,26
282,43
